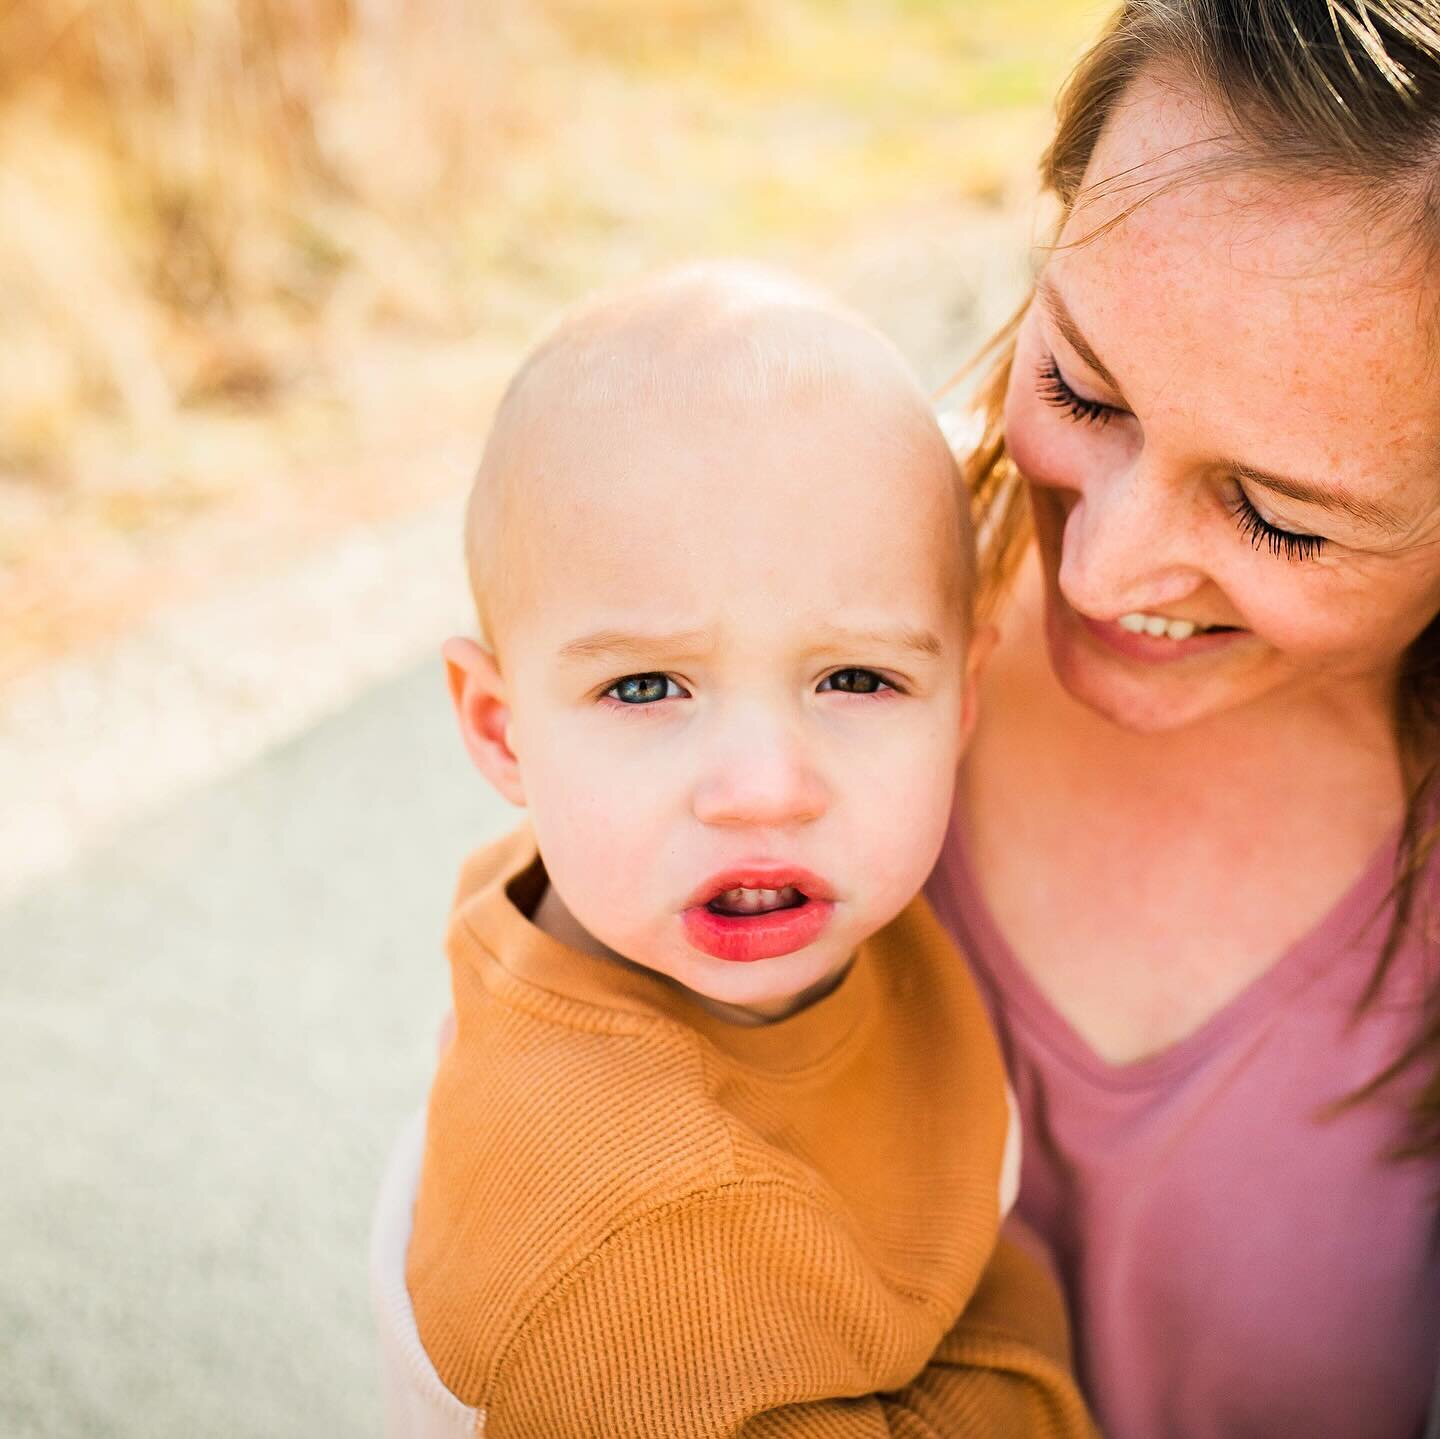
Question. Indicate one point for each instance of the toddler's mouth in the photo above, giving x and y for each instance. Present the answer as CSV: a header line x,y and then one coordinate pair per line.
x,y
758,913
742,900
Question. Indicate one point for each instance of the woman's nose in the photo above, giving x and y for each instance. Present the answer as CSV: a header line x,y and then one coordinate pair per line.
x,y
759,773
1128,544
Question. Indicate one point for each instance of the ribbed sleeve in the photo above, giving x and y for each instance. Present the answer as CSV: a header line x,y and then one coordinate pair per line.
x,y
742,1312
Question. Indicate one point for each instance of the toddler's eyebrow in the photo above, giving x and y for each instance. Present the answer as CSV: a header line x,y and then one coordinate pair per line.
x,y
899,637
621,644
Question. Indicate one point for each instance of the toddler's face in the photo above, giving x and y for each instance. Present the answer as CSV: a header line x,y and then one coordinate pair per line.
x,y
735,675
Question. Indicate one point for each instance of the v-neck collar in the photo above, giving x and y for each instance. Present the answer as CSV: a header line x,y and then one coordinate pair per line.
x,y
956,891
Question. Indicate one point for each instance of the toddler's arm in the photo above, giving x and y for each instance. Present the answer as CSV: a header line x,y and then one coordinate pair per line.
x,y
1001,1373
1005,1367
708,1319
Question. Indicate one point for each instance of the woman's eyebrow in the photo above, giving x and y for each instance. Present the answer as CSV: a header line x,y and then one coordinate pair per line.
x,y
1065,323
1325,497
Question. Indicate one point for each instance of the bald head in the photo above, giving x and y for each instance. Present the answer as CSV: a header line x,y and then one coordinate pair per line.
x,y
678,362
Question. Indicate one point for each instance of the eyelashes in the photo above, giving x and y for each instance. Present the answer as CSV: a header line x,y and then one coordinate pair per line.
x,y
645,691
1265,536
1054,391
1051,387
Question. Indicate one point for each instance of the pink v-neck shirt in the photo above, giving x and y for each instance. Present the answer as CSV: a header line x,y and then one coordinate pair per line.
x,y
1237,1265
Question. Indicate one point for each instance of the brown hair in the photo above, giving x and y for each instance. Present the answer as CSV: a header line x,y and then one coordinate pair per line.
x,y
1342,91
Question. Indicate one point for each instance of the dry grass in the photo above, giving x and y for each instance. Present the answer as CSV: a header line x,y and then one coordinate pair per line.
x,y
245,244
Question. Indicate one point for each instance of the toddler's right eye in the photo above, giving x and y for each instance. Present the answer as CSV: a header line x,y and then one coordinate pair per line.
x,y
855,682
644,689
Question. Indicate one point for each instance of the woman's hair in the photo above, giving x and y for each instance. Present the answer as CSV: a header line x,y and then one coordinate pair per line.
x,y
1342,92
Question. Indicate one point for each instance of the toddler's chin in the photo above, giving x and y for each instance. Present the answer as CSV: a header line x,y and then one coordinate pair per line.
x,y
768,984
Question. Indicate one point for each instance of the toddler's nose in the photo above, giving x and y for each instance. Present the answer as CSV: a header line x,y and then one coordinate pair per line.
x,y
762,776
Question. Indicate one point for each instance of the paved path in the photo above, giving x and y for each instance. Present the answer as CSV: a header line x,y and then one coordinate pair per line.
x,y
210,1030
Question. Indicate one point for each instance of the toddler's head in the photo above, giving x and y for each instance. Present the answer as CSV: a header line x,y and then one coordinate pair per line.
x,y
723,564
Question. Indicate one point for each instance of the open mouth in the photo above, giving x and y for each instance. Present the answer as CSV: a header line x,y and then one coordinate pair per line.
x,y
1156,626
744,916
1160,638
743,901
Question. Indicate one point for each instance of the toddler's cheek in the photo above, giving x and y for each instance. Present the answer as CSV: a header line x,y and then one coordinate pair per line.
x,y
595,876
903,839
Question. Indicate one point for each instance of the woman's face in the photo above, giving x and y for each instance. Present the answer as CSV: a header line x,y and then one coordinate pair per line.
x,y
1228,412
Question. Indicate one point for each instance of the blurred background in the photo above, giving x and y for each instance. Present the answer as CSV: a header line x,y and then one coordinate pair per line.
x,y
264,267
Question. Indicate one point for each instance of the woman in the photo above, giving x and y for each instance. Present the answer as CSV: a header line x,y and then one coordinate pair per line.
x,y
1210,732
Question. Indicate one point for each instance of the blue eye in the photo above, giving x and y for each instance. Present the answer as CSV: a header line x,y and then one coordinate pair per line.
x,y
644,689
854,682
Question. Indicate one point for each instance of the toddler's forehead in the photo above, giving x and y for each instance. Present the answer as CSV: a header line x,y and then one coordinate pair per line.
x,y
706,508
847,442
653,427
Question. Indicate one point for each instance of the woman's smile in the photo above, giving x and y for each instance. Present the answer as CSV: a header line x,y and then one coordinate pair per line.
x,y
1154,639
1209,545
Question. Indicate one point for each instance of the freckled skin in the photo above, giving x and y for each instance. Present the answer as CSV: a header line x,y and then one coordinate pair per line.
x,y
1184,823
1246,319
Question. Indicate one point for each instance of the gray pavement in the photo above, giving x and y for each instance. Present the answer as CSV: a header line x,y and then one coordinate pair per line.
x,y
210,1031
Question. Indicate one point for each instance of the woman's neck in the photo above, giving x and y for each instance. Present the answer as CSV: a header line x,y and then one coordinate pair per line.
x,y
1144,880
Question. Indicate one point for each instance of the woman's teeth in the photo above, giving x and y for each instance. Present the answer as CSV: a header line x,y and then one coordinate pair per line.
x,y
756,901
1139,624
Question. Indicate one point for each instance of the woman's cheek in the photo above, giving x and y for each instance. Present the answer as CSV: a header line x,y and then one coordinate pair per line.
x,y
1303,616
1042,444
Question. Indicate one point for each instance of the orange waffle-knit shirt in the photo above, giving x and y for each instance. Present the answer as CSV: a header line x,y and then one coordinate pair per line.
x,y
639,1220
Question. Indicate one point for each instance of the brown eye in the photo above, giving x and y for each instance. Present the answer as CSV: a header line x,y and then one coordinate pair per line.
x,y
852,682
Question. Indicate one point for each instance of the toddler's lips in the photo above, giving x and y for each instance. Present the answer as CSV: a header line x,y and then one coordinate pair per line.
x,y
758,913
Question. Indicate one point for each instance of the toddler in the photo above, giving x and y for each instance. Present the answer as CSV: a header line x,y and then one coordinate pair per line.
x,y
718,1146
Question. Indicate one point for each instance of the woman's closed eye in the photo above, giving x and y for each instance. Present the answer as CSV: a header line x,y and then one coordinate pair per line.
x,y
645,689
1055,390
1265,536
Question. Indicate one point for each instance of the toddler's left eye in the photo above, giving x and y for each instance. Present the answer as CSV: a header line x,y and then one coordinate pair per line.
x,y
854,682
644,689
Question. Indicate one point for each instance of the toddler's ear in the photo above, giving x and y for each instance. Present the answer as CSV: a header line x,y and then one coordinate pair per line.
x,y
483,710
